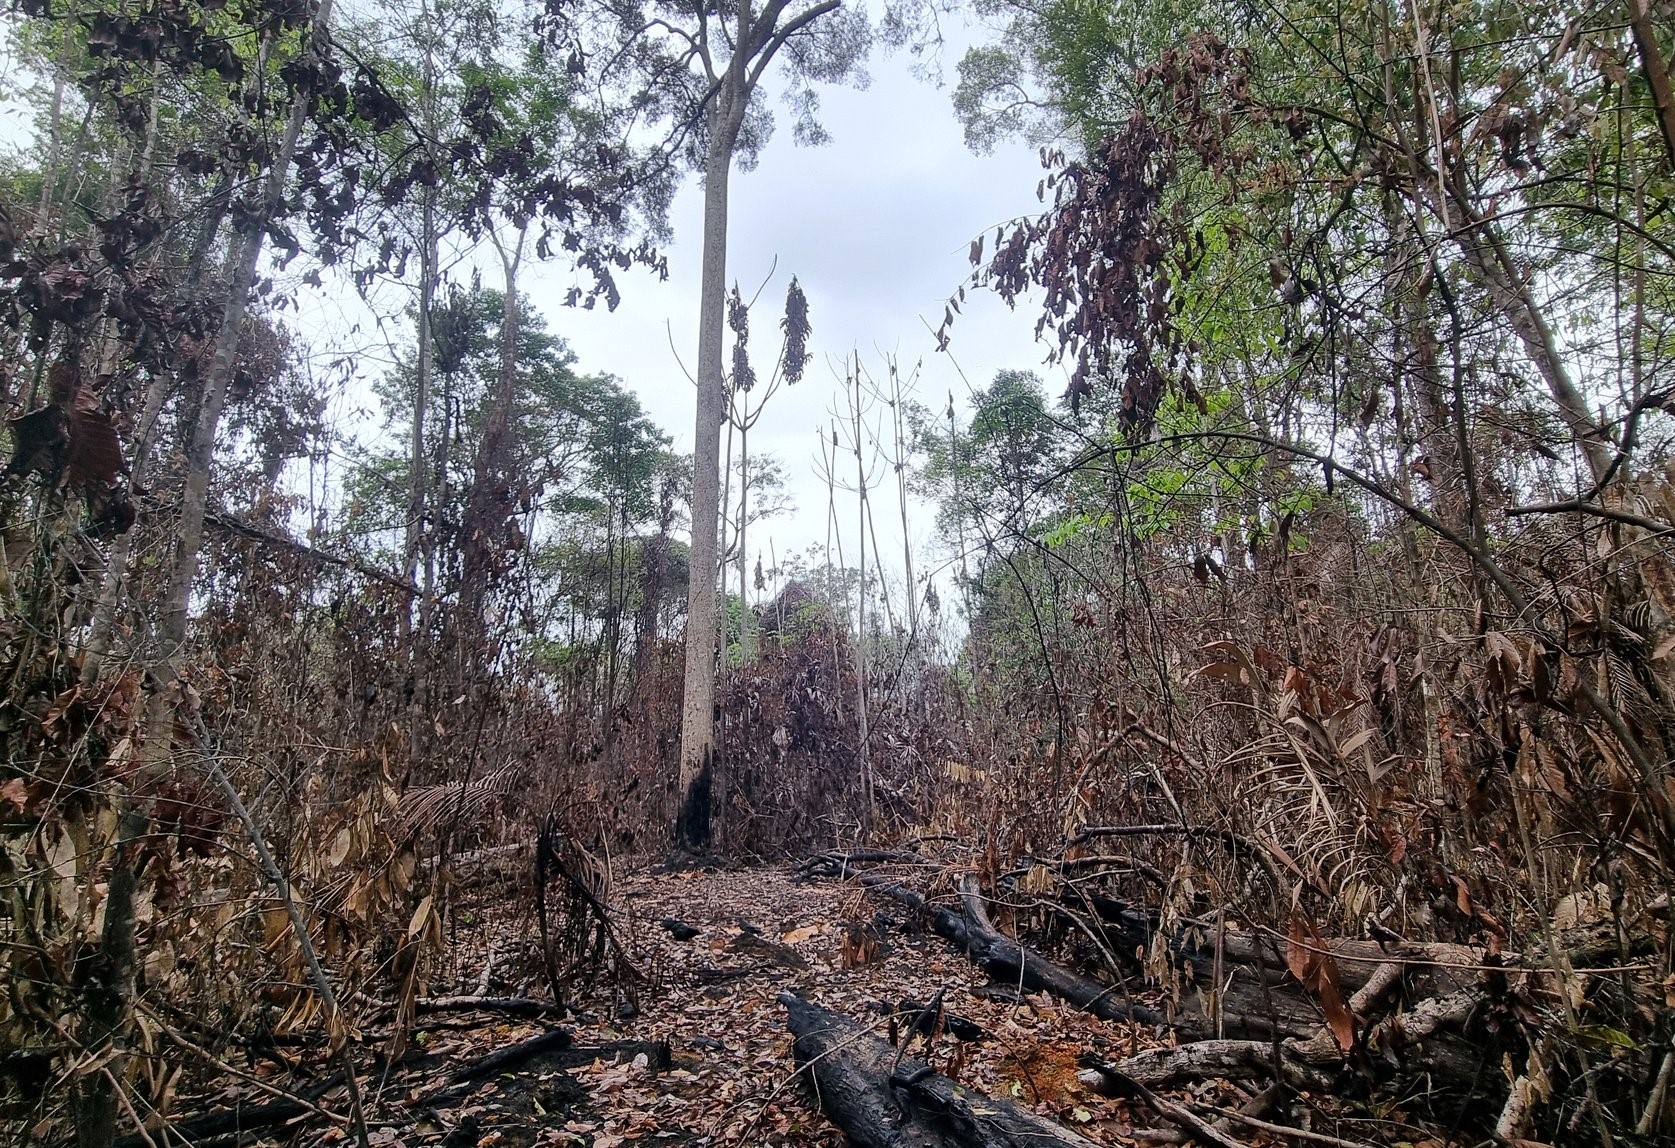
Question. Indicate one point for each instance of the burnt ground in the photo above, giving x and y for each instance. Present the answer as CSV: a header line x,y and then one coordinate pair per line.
x,y
726,1075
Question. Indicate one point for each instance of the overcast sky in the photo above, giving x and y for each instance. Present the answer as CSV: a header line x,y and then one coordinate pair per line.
x,y
876,226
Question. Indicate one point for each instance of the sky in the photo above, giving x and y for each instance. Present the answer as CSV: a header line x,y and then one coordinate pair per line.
x,y
876,226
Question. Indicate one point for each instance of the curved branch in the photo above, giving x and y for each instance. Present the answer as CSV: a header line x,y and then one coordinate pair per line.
x,y
774,43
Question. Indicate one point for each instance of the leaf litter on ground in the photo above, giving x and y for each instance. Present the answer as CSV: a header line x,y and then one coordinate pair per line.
x,y
730,1078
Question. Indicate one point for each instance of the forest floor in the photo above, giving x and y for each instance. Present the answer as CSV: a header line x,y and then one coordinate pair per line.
x,y
729,1077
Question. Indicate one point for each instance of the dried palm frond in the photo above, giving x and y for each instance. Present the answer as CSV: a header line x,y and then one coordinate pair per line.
x,y
428,807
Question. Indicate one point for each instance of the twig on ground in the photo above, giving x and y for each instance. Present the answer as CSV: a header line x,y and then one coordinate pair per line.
x,y
1282,1130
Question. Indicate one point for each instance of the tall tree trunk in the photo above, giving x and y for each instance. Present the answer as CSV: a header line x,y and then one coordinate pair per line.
x,y
898,405
653,578
416,615
483,533
55,116
614,545
863,735
1485,249
697,733
1657,70
724,520
418,474
103,629
744,522
170,634
103,626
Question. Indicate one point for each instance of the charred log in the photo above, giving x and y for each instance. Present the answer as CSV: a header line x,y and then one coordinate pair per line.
x,y
883,1100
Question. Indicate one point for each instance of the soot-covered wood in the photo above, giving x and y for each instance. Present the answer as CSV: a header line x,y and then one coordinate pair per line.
x,y
881,1100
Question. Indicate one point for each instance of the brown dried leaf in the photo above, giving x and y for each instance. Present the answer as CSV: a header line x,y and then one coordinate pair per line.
x,y
1297,956
1462,897
14,794
95,455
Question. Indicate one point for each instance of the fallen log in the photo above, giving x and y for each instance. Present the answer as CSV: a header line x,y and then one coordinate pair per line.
x,y
1261,1005
1254,994
527,1007
462,863
883,1100
1008,962
1208,1060
507,1058
1259,997
1316,1062
556,1049
516,1006
842,865
238,1121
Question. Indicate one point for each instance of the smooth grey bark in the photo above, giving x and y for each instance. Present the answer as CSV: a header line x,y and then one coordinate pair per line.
x,y
103,625
744,523
755,37
1486,251
487,467
697,731
863,734
103,628
724,524
898,405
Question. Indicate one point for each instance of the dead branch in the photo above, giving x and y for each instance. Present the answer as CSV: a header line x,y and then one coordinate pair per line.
x,y
516,1006
1009,962
1200,1129
1283,1130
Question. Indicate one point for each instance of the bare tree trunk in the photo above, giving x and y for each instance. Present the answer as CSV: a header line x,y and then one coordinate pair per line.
x,y
833,532
170,634
1485,249
116,565
724,524
653,579
898,402
55,116
959,508
103,626
1657,70
697,739
418,474
488,468
419,533
616,596
862,734
744,522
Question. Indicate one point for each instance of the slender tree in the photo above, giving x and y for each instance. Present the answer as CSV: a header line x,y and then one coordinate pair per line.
x,y
702,69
